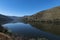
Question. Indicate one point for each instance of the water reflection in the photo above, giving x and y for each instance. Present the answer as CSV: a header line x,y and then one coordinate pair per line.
x,y
51,28
35,30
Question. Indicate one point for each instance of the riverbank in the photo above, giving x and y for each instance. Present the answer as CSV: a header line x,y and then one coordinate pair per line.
x,y
12,37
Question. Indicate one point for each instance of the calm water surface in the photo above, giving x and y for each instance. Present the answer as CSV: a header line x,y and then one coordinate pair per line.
x,y
28,30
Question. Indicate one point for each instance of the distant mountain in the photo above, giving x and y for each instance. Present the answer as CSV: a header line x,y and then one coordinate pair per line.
x,y
52,14
13,17
24,18
16,19
4,19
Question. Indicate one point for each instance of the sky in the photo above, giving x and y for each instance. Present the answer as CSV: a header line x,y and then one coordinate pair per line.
x,y
25,7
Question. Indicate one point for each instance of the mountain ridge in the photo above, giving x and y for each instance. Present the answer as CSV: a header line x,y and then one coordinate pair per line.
x,y
45,15
4,19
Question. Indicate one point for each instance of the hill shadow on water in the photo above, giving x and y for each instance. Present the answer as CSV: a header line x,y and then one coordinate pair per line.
x,y
50,28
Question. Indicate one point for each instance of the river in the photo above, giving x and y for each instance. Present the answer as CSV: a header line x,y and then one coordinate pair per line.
x,y
27,30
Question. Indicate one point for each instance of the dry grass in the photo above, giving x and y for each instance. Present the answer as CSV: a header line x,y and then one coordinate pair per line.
x,y
4,37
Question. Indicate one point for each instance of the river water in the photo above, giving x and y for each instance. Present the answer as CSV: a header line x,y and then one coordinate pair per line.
x,y
27,30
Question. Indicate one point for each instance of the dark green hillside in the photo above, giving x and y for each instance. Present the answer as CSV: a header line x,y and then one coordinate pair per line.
x,y
4,19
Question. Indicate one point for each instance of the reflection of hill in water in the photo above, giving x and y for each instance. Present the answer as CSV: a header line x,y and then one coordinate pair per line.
x,y
51,28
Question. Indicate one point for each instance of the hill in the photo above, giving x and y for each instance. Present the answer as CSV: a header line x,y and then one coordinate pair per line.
x,y
52,14
4,19
46,20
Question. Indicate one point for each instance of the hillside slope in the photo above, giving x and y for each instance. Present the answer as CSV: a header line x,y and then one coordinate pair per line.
x,y
4,19
46,20
46,15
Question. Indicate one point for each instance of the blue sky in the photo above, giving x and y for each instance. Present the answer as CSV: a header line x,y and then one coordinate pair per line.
x,y
25,7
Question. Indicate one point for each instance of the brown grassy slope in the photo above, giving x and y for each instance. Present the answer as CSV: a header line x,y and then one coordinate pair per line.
x,y
50,14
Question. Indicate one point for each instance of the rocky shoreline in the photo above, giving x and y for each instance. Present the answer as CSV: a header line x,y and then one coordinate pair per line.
x,y
12,37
